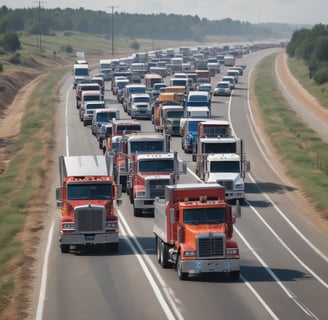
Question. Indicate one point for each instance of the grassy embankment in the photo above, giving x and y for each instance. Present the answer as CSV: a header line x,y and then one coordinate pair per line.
x,y
305,154
24,185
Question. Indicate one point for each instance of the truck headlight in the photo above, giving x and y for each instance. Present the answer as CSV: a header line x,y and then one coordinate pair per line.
x,y
189,253
122,169
68,226
111,225
141,193
239,186
232,251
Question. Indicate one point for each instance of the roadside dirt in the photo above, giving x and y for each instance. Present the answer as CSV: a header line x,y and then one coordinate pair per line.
x,y
10,122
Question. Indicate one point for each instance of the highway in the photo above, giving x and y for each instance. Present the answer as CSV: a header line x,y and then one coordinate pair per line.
x,y
284,254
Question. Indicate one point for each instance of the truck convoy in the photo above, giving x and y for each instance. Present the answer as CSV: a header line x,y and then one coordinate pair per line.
x,y
86,200
193,229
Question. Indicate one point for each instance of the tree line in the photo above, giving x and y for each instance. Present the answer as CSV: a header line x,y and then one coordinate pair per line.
x,y
311,45
159,26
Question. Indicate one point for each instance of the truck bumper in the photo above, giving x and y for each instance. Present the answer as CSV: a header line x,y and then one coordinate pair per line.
x,y
92,239
208,266
145,204
235,195
141,115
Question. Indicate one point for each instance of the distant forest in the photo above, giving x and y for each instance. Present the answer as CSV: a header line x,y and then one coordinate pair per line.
x,y
158,26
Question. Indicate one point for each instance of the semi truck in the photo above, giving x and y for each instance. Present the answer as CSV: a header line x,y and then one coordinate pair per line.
x,y
86,198
133,143
220,158
170,116
149,173
193,228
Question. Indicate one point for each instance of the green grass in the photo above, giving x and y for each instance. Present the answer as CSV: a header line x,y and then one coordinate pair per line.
x,y
24,178
305,154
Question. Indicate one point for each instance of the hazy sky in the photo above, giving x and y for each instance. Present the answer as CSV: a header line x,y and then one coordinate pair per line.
x,y
253,11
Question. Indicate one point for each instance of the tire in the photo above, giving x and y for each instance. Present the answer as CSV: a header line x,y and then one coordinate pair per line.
x,y
235,275
158,249
64,248
136,212
131,197
114,247
164,255
181,275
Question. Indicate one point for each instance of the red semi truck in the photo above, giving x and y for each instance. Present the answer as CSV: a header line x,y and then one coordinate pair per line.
x,y
86,197
193,230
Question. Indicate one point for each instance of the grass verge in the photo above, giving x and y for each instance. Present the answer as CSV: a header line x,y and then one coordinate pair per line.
x,y
25,183
305,154
300,71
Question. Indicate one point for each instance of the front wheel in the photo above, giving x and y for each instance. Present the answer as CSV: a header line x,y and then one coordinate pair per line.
x,y
136,212
235,275
164,255
158,249
64,248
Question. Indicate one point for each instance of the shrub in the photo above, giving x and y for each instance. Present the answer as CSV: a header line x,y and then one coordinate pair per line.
x,y
135,45
1,67
321,76
15,59
67,49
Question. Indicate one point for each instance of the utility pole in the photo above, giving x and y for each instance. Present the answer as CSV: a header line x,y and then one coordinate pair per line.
x,y
38,41
112,7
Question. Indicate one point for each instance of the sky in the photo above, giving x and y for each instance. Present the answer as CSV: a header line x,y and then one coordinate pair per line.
x,y
309,12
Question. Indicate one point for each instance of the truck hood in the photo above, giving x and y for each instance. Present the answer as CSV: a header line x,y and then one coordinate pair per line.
x,y
68,206
191,231
214,176
75,203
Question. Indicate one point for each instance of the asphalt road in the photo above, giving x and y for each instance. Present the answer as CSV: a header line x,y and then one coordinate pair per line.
x,y
284,255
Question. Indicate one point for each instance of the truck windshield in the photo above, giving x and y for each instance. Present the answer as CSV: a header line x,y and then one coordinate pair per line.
x,y
89,191
106,116
215,131
224,166
146,146
175,114
81,72
158,165
219,148
141,99
204,216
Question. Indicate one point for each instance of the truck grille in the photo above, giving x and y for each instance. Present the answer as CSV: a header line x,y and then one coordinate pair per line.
x,y
227,184
211,246
157,188
89,219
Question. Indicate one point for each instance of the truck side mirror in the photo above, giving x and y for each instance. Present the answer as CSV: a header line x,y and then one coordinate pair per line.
x,y
184,168
117,190
237,212
59,199
172,215
248,166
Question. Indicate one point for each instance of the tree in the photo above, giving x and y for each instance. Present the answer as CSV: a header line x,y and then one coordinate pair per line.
x,y
10,42
135,45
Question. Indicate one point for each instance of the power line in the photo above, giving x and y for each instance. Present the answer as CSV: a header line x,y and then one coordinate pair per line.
x,y
112,7
38,39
